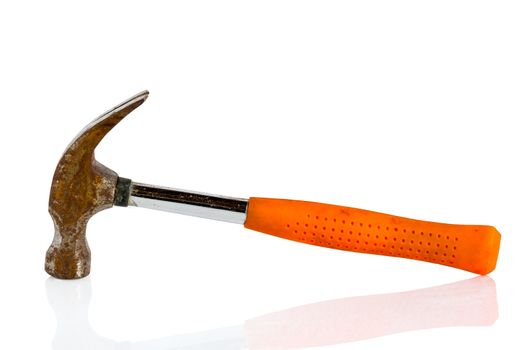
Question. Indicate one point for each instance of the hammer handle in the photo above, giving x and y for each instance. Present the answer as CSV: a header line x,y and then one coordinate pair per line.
x,y
472,248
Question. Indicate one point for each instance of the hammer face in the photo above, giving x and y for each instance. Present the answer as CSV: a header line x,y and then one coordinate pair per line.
x,y
69,261
75,198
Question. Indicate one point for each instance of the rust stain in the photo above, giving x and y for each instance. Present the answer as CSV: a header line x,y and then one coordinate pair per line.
x,y
81,188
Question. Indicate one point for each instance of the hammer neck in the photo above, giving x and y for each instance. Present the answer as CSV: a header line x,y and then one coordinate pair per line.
x,y
178,201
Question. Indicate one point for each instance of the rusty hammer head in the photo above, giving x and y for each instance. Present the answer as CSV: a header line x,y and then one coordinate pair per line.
x,y
82,187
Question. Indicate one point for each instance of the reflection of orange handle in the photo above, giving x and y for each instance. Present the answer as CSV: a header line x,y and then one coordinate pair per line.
x,y
468,247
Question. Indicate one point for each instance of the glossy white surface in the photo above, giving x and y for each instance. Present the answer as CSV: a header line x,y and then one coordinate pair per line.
x,y
471,302
405,107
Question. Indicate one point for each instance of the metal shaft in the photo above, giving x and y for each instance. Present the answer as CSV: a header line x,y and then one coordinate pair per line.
x,y
178,201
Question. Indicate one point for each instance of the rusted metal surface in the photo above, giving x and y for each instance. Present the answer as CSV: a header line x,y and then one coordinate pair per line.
x,y
82,187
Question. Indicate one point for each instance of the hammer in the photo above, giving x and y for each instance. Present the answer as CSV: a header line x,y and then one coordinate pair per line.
x,y
82,187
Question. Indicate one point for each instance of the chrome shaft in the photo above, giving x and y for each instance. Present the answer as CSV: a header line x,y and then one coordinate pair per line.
x,y
184,202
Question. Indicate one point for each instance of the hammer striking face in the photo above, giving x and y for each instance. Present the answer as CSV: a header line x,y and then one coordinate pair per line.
x,y
82,187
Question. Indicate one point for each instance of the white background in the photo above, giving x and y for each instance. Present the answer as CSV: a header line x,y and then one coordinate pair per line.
x,y
413,108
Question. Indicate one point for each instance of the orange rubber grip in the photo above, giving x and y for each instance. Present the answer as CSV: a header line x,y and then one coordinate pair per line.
x,y
472,248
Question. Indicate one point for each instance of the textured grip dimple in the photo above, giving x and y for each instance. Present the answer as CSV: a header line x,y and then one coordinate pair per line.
x,y
472,248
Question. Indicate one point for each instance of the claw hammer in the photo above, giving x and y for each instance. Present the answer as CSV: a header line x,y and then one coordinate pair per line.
x,y
82,187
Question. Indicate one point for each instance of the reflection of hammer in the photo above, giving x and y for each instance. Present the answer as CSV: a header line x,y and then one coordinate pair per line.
x,y
470,302
82,187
